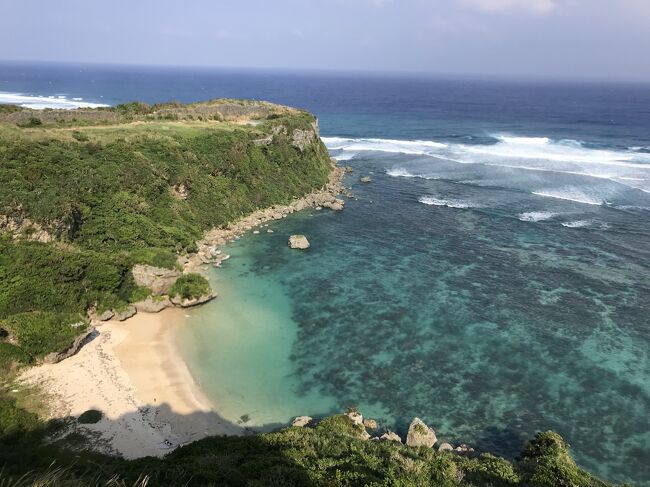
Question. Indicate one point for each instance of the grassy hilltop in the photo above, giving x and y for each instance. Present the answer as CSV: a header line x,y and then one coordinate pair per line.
x,y
87,194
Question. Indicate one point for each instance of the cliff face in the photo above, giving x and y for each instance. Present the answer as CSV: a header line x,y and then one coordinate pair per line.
x,y
87,194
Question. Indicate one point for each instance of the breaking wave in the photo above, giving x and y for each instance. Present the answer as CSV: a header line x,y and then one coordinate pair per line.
x,y
432,200
37,102
560,169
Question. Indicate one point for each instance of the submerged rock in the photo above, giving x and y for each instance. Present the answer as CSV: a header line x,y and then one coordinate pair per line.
x,y
302,421
298,242
390,436
126,313
420,434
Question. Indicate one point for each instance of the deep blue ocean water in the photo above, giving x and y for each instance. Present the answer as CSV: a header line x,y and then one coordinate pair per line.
x,y
493,279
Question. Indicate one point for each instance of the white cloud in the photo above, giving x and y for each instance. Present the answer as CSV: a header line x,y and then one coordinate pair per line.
x,y
538,7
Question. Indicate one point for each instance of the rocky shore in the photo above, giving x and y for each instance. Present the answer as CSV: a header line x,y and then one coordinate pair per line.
x,y
208,248
419,433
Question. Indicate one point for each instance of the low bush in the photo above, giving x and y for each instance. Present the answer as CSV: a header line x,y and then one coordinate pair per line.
x,y
190,286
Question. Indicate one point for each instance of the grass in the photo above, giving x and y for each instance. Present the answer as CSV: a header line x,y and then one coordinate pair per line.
x,y
104,184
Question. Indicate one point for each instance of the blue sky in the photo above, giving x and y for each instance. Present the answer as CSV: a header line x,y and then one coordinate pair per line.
x,y
605,39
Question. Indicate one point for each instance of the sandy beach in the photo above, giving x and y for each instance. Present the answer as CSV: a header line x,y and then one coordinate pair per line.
x,y
133,373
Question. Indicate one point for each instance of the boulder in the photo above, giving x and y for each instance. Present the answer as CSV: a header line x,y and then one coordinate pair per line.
x,y
187,303
355,416
126,313
336,204
420,434
366,179
77,343
445,447
390,436
371,424
157,279
106,315
301,421
298,242
464,449
152,305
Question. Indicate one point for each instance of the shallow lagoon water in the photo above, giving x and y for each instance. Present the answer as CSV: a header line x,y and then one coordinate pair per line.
x,y
488,325
493,279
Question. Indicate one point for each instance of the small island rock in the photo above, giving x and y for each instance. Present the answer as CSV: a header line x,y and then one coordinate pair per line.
x,y
366,179
420,434
298,242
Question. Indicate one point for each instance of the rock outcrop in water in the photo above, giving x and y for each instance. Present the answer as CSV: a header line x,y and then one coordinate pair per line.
x,y
298,242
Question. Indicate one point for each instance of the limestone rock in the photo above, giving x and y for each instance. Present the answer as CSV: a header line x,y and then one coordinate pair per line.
x,y
302,421
464,449
355,416
126,313
187,303
157,279
152,305
420,434
77,343
390,436
445,447
298,242
366,179
371,424
336,204
106,315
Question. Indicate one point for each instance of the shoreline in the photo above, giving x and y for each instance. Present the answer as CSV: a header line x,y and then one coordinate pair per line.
x,y
133,372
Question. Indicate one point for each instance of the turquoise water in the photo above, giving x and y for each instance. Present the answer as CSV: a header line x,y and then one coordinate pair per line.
x,y
488,324
493,279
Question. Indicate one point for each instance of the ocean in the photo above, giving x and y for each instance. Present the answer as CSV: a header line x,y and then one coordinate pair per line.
x,y
492,279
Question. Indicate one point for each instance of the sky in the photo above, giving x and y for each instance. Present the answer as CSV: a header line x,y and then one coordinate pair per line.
x,y
599,39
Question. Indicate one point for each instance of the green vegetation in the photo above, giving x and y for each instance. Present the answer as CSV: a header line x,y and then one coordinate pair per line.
x,y
104,189
330,454
190,286
91,416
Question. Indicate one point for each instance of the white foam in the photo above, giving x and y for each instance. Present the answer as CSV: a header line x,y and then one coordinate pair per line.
x,y
570,195
383,145
37,102
536,216
345,156
432,200
577,224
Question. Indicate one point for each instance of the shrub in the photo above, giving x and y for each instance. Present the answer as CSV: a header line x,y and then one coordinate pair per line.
x,y
41,332
190,286
91,416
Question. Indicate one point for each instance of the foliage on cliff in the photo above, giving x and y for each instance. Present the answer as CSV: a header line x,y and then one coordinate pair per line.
x,y
86,194
330,454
